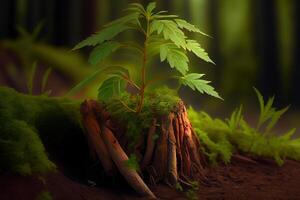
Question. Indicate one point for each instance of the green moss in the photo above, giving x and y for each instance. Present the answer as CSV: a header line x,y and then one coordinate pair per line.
x,y
213,134
157,103
221,140
27,120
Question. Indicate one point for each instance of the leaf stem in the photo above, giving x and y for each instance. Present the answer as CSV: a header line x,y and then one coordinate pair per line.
x,y
143,73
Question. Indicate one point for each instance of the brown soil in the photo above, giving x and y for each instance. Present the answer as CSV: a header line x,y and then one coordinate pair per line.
x,y
239,180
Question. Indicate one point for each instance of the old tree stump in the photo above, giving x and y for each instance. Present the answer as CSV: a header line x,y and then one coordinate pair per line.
x,y
168,151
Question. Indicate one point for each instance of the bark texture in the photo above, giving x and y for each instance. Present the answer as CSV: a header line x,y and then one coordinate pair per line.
x,y
174,157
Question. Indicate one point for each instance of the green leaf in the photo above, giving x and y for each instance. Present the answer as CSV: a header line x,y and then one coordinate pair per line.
x,y
190,27
111,87
31,78
102,36
170,31
101,73
194,81
45,79
154,44
260,100
159,16
175,57
137,8
151,6
195,47
268,113
102,51
130,18
275,117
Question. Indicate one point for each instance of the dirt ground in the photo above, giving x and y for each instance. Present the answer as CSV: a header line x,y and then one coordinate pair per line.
x,y
238,180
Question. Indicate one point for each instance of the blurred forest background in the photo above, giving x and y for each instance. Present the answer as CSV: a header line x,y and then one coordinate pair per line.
x,y
254,43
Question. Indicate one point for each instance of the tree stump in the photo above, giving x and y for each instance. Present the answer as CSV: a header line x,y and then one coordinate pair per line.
x,y
175,157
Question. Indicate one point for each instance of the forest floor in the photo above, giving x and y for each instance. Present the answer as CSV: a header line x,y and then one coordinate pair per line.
x,y
238,180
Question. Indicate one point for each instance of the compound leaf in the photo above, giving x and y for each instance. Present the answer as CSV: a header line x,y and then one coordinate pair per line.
x,y
194,46
127,19
170,31
102,36
175,57
190,27
151,6
194,81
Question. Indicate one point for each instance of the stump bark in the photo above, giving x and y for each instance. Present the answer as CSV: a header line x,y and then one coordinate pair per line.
x,y
175,157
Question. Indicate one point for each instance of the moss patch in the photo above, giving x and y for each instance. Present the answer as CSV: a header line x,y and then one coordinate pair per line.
x,y
26,121
157,103
221,139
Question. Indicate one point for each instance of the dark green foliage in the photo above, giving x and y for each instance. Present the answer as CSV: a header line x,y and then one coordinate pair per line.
x,y
223,138
23,123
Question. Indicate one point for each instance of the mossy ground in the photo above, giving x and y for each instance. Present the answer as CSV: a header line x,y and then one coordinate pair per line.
x,y
222,140
26,121
28,124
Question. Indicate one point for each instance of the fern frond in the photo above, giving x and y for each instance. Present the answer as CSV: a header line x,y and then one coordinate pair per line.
x,y
194,81
194,46
170,31
190,27
106,34
175,57
125,20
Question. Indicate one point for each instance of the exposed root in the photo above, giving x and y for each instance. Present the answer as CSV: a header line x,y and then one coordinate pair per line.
x,y
161,153
119,157
175,157
150,145
94,138
172,175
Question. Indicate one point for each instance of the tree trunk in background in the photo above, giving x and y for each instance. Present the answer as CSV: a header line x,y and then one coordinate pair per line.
x,y
7,18
68,21
266,41
296,68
